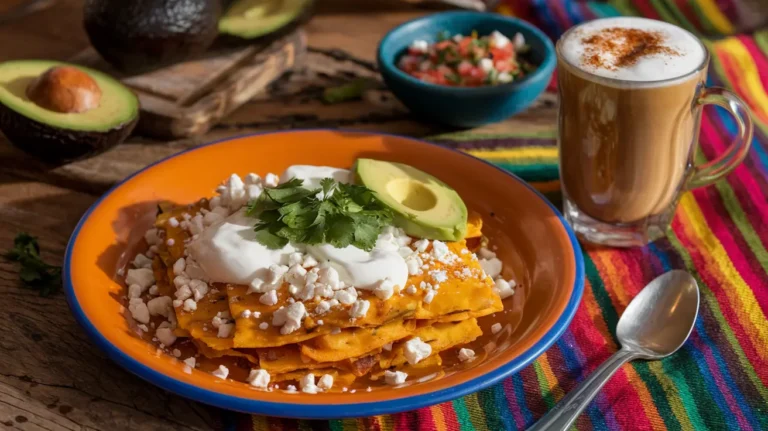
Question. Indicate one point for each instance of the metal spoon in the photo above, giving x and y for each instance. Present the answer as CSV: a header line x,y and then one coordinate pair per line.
x,y
655,324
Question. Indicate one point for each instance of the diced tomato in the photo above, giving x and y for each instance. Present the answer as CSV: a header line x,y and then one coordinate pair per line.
x,y
464,68
475,77
502,65
439,77
505,66
409,63
414,51
439,46
464,46
444,69
502,53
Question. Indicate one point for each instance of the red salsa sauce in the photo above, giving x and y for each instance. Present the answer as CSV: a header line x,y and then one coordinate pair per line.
x,y
468,61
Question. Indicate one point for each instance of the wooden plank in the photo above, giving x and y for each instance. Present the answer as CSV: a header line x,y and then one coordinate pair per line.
x,y
187,99
51,375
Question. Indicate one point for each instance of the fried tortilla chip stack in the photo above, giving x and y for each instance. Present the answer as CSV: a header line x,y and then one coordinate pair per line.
x,y
435,311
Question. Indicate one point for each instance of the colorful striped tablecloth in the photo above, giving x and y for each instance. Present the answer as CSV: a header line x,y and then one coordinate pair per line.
x,y
719,379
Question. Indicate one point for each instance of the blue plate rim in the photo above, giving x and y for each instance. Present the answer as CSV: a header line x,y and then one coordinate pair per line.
x,y
544,71
324,411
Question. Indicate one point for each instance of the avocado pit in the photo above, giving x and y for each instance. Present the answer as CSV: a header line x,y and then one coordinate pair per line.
x,y
66,90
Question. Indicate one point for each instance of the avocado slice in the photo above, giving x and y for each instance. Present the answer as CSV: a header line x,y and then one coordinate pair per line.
x,y
137,35
249,19
48,130
424,206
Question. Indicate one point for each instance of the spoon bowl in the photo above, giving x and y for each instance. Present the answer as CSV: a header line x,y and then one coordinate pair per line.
x,y
655,325
661,317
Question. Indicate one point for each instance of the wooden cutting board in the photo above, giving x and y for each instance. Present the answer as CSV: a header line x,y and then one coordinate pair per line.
x,y
187,99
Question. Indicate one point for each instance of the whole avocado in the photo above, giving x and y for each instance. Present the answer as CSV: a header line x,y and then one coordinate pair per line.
x,y
137,35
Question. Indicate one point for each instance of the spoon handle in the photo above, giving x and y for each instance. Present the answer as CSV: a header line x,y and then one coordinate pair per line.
x,y
565,412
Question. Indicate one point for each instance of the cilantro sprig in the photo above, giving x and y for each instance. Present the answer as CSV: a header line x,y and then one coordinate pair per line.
x,y
336,213
34,273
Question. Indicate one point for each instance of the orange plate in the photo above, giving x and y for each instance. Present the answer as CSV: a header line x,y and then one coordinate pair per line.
x,y
529,235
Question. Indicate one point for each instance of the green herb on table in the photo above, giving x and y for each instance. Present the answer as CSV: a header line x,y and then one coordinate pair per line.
x,y
336,213
349,91
34,273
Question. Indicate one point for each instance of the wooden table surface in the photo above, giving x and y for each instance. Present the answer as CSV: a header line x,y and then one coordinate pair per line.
x,y
51,376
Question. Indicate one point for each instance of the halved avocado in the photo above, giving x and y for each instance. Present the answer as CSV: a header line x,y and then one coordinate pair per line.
x,y
84,124
424,206
249,19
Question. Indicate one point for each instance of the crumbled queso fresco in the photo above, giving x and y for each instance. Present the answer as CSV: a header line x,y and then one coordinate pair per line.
x,y
308,278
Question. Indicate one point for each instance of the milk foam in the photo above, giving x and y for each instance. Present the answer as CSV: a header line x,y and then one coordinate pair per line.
x,y
656,67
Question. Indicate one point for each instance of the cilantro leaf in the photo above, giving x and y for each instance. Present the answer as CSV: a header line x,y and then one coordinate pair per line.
x,y
269,216
340,231
290,184
270,239
34,273
366,234
288,195
297,216
316,234
328,184
336,213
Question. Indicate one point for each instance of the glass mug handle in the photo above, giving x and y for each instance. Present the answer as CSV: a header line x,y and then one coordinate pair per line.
x,y
722,165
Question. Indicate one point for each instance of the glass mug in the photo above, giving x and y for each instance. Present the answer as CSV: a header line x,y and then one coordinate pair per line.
x,y
627,147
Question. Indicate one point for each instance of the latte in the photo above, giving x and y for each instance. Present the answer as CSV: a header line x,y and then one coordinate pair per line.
x,y
628,116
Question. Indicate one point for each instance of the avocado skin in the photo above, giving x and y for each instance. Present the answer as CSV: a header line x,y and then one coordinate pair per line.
x,y
58,146
138,35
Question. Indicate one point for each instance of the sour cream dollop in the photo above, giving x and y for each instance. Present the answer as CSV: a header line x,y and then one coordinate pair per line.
x,y
312,175
228,251
364,269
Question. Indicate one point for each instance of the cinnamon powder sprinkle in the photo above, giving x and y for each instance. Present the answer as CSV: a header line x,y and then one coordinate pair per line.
x,y
625,45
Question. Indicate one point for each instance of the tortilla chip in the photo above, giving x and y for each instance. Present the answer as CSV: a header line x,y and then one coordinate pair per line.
x,y
248,334
197,322
181,333
208,352
460,293
362,366
430,365
474,225
160,271
340,378
286,359
355,342
440,336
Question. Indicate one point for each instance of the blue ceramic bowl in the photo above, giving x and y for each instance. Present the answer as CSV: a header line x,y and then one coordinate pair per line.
x,y
461,106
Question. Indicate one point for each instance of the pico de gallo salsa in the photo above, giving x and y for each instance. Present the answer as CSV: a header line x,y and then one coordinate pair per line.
x,y
468,61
